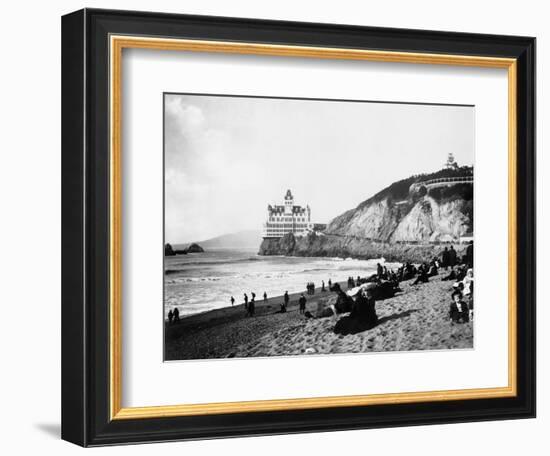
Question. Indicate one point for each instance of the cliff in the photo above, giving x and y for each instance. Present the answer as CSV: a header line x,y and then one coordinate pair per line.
x,y
328,245
405,221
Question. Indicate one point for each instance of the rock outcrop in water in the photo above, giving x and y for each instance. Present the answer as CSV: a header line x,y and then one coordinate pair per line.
x,y
406,221
169,250
195,248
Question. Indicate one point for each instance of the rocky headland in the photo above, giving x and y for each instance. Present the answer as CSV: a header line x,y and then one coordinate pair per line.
x,y
410,220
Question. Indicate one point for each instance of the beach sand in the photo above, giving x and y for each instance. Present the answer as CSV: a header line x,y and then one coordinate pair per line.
x,y
414,319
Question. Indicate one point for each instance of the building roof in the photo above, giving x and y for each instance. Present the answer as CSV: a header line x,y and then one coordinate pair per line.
x,y
279,209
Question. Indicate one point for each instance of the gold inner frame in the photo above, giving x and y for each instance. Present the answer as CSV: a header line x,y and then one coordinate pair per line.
x,y
117,44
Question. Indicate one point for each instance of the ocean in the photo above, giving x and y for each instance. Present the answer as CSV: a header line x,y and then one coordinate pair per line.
x,y
198,282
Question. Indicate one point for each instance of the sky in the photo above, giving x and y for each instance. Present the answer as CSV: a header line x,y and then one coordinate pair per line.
x,y
227,158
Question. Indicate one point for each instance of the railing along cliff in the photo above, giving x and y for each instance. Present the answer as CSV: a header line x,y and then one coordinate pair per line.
x,y
442,181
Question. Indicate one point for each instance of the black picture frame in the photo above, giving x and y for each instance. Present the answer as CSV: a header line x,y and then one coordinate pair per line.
x,y
85,228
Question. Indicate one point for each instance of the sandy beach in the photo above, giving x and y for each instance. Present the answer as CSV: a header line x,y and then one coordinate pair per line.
x,y
414,319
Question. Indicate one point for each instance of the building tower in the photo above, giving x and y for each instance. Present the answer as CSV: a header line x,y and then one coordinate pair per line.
x,y
289,202
451,163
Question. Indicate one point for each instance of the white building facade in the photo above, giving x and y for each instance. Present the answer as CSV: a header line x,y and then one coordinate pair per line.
x,y
287,218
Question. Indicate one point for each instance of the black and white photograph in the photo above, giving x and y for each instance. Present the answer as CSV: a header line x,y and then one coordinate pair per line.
x,y
314,226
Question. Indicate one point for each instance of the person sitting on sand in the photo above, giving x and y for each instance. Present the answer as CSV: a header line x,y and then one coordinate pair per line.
x,y
232,301
471,302
409,271
393,277
460,273
422,276
363,314
302,302
176,315
451,275
385,289
459,286
458,311
365,308
468,282
433,269
170,316
343,304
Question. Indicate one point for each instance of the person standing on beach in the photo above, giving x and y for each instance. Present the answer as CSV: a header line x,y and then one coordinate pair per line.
x,y
285,303
170,316
252,306
246,301
452,256
232,301
445,258
302,301
329,283
323,285
176,315
265,296
470,254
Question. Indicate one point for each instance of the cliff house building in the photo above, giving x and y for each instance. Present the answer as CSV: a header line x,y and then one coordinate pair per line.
x,y
287,218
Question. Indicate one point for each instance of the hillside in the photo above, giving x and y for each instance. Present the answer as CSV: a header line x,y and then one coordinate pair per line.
x,y
407,219
438,213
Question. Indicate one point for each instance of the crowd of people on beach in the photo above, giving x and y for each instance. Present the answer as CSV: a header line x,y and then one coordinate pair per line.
x,y
461,273
359,301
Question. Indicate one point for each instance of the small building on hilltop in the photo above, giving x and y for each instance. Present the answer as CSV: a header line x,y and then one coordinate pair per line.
x,y
451,162
287,218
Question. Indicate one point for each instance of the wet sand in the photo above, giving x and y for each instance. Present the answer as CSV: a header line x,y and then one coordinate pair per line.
x,y
414,319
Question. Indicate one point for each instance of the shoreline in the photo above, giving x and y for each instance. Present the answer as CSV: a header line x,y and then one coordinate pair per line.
x,y
300,271
271,301
414,319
